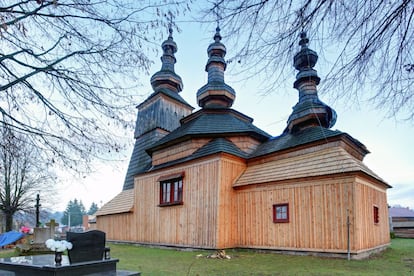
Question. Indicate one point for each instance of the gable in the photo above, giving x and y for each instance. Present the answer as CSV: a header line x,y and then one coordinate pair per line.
x,y
193,149
304,137
327,161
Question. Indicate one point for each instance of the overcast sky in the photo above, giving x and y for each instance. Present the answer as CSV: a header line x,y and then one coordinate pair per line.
x,y
388,140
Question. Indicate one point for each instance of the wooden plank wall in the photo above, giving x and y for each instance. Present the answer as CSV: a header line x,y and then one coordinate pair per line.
x,y
206,219
117,227
178,151
317,213
230,169
218,216
191,224
369,234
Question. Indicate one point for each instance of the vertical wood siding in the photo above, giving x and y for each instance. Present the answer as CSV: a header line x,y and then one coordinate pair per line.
x,y
215,215
192,224
317,215
230,170
176,152
206,219
117,227
369,234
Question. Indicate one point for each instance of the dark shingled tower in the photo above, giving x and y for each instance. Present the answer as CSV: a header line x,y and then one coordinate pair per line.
x,y
159,114
215,119
216,93
309,111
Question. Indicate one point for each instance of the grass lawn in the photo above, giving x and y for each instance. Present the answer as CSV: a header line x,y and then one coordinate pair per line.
x,y
396,260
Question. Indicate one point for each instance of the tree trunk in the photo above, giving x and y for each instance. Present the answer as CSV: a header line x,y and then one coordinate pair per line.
x,y
9,221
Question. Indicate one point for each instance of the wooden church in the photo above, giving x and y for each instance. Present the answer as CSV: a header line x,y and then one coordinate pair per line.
x,y
211,179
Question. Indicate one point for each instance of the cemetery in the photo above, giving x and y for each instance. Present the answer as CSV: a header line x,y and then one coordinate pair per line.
x,y
43,253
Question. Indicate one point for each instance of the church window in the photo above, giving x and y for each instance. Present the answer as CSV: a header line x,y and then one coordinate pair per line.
x,y
281,212
376,214
171,190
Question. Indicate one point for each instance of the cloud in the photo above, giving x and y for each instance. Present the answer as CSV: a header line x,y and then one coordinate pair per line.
x,y
401,194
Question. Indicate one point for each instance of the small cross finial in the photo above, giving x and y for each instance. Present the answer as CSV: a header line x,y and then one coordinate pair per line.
x,y
170,23
170,30
304,40
217,36
216,11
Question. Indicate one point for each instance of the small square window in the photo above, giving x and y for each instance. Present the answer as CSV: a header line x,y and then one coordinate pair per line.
x,y
281,213
171,191
376,214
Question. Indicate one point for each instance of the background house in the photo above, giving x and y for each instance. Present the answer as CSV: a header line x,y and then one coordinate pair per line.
x,y
402,221
211,179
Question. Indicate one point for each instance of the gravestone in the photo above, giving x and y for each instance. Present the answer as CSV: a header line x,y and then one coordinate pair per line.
x,y
85,258
87,246
52,224
41,235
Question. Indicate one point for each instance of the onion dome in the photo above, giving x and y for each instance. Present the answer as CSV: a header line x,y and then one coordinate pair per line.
x,y
166,77
304,61
216,93
310,110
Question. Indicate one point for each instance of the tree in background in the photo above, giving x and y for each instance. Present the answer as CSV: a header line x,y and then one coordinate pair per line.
x,y
369,42
23,174
68,70
73,213
92,210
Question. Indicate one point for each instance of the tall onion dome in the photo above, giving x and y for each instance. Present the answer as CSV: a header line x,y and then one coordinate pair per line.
x,y
310,110
166,77
216,93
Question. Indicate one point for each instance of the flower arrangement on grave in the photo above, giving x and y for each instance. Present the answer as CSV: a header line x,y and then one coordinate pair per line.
x,y
58,247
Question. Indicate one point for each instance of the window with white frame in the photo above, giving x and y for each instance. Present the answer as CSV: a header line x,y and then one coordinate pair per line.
x,y
281,212
171,190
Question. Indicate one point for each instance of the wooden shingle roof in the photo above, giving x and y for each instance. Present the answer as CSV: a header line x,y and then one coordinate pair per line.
x,y
327,161
308,135
140,161
122,203
212,123
219,145
169,93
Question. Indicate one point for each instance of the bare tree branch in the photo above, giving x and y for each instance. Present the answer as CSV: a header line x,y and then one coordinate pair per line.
x,y
23,173
69,71
369,42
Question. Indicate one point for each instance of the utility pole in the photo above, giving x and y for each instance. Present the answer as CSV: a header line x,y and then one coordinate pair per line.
x,y
348,226
69,220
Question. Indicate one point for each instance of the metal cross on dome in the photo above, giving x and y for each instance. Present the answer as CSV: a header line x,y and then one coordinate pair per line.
x,y
216,11
170,17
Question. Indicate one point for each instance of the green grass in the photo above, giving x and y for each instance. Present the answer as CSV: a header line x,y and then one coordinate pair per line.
x,y
396,260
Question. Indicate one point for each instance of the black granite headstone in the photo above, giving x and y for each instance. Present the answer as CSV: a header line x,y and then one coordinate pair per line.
x,y
85,258
87,246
